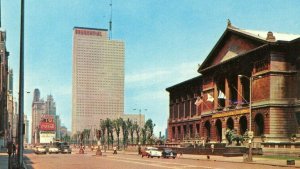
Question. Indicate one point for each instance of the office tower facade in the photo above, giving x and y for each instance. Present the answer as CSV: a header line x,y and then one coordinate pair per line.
x,y
98,78
50,108
26,135
4,125
50,105
38,108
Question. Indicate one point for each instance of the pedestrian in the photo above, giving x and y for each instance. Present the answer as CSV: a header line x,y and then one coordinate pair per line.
x,y
180,155
212,146
115,150
14,149
9,147
203,143
17,146
139,149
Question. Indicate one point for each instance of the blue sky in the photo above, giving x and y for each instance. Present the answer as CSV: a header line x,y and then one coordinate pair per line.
x,y
164,40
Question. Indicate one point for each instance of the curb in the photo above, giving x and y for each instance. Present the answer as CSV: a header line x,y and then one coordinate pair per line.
x,y
279,165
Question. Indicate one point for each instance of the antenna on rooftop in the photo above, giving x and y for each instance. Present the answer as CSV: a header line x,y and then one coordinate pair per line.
x,y
110,21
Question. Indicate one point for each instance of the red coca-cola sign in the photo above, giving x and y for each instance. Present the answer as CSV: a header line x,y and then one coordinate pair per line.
x,y
47,123
44,126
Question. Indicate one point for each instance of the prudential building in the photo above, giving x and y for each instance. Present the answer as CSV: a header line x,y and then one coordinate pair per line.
x,y
98,78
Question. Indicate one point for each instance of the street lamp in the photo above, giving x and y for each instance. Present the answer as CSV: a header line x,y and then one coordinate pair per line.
x,y
140,110
250,132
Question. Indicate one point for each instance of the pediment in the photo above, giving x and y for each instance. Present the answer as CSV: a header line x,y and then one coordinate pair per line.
x,y
230,45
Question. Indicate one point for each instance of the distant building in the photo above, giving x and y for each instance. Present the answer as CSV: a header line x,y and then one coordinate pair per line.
x,y
98,77
26,135
38,108
63,131
15,121
50,108
4,126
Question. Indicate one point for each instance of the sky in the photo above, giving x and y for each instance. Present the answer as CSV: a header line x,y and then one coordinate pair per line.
x,y
164,43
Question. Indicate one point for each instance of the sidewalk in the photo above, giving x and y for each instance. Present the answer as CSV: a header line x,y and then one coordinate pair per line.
x,y
4,160
256,160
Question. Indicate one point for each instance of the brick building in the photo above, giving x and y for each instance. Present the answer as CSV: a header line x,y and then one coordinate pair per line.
x,y
248,76
184,117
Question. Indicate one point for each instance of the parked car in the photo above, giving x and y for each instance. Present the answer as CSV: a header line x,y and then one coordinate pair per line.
x,y
65,149
53,149
151,152
167,152
40,149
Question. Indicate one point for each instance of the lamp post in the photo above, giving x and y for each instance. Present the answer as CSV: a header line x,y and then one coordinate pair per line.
x,y
140,116
250,133
21,90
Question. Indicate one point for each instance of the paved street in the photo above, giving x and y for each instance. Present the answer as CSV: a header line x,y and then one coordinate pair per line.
x,y
127,161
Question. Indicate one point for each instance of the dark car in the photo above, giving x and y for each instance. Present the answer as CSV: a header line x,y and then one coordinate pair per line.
x,y
65,149
167,152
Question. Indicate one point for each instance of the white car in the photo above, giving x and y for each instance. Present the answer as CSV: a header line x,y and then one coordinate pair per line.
x,y
153,152
40,150
53,149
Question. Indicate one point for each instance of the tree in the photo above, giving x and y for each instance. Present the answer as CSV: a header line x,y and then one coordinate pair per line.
x,y
149,126
144,135
103,129
109,129
117,123
124,132
130,129
137,129
86,134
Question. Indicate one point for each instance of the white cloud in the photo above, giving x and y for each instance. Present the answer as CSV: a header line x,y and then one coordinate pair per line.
x,y
163,75
145,76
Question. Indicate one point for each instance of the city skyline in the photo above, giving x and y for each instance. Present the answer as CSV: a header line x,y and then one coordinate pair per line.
x,y
165,42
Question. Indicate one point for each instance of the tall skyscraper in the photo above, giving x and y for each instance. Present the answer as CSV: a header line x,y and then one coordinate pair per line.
x,y
38,108
98,78
50,105
51,110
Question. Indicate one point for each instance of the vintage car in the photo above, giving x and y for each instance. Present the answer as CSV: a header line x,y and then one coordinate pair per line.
x,y
167,152
53,149
65,149
40,149
151,152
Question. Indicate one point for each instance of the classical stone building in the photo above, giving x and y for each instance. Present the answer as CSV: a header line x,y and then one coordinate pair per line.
x,y
250,78
184,116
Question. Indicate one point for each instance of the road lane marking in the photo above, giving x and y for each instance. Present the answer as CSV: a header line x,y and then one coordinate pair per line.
x,y
178,165
136,162
145,160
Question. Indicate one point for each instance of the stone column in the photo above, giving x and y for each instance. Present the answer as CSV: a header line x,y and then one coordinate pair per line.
x,y
227,93
215,95
240,92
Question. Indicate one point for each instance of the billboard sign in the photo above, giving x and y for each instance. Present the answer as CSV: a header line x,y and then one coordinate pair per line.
x,y
44,126
47,123
47,136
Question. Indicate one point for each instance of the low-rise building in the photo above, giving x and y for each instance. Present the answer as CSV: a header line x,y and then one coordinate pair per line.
x,y
250,82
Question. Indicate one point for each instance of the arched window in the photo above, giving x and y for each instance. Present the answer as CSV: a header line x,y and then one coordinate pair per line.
x,y
259,124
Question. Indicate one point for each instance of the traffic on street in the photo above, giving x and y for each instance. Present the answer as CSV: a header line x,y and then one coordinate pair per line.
x,y
126,160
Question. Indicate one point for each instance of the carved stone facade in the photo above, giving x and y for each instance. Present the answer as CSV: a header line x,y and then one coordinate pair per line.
x,y
250,78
